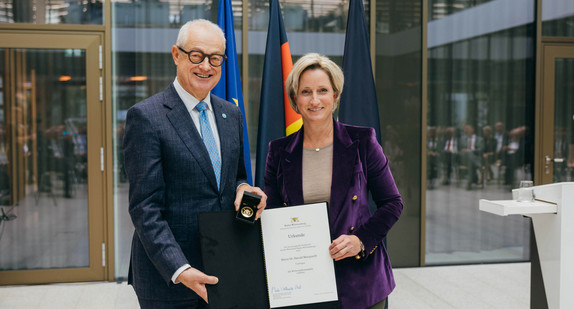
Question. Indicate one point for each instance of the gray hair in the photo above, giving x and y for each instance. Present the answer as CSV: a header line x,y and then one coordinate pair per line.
x,y
197,23
312,61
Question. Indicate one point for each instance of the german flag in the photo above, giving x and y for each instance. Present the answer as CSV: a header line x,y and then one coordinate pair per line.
x,y
276,117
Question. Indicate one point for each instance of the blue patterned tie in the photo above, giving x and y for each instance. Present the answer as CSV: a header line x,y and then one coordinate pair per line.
x,y
209,140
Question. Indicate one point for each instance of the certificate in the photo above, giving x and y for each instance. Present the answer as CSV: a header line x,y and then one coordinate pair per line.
x,y
280,261
299,268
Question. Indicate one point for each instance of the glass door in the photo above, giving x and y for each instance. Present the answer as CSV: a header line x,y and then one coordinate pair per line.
x,y
51,180
556,157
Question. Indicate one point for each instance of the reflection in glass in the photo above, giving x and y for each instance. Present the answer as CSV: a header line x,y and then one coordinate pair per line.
x,y
441,8
137,75
480,128
161,14
558,18
52,11
313,16
43,177
4,148
564,120
398,82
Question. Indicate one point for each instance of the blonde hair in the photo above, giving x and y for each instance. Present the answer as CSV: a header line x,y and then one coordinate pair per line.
x,y
184,30
313,61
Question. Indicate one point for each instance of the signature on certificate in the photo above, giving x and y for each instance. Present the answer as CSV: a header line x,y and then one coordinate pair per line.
x,y
285,288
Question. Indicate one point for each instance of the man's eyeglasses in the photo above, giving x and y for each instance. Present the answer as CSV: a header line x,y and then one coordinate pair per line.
x,y
197,57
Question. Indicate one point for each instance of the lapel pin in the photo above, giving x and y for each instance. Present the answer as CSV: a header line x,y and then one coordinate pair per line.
x,y
224,115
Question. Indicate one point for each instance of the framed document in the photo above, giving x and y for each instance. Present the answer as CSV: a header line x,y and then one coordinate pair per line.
x,y
281,261
299,267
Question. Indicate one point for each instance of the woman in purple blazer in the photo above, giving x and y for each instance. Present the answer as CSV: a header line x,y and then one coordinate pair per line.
x,y
330,161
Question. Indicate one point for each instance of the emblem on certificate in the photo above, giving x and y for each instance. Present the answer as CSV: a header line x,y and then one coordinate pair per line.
x,y
248,207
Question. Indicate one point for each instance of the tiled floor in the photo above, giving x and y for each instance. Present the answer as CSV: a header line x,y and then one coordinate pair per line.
x,y
493,286
504,286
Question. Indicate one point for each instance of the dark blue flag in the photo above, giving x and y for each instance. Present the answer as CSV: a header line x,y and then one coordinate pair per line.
x,y
229,86
276,117
359,97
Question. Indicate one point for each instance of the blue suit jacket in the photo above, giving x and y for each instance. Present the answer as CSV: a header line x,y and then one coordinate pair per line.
x,y
359,166
171,181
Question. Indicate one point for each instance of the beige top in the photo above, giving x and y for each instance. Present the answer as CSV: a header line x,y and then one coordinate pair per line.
x,y
317,174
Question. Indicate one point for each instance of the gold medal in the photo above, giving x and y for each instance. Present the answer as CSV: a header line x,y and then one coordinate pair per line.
x,y
246,212
248,208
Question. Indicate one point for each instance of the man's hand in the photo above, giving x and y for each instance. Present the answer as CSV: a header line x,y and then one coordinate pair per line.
x,y
196,281
256,190
345,246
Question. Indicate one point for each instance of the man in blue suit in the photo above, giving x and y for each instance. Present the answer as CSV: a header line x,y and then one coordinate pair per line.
x,y
183,152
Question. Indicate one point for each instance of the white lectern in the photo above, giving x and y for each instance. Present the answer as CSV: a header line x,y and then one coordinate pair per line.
x,y
552,215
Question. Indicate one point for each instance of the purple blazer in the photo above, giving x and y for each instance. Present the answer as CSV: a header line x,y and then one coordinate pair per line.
x,y
359,166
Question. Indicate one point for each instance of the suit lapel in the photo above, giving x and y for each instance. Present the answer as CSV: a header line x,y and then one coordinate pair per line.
x,y
344,160
183,124
293,169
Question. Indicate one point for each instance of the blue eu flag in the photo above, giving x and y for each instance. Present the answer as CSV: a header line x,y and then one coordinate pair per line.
x,y
359,98
229,86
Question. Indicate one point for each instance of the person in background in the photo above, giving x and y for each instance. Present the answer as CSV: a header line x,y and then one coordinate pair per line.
x,y
501,137
489,151
571,155
432,156
183,152
471,148
449,153
330,161
513,156
560,151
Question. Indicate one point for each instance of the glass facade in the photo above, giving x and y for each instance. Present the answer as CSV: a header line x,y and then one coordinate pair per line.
x,y
480,109
558,18
141,68
480,127
398,67
43,159
137,75
564,120
83,12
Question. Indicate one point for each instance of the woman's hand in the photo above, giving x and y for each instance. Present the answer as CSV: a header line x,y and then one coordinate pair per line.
x,y
345,246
